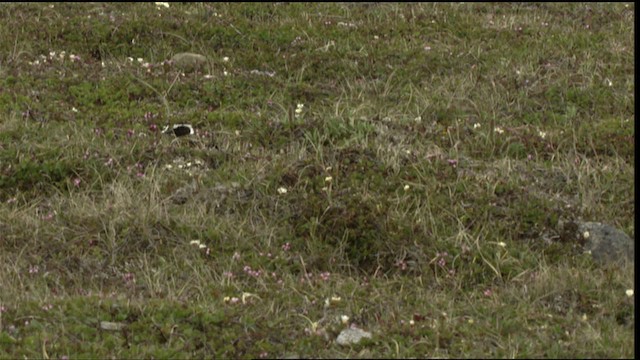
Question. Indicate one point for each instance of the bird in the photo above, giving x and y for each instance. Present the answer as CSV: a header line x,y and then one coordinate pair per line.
x,y
179,130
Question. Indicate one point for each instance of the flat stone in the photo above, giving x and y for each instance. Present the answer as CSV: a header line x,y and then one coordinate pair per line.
x,y
189,61
605,243
352,336
111,326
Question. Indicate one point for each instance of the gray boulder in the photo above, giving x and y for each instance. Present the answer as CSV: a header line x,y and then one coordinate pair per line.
x,y
605,243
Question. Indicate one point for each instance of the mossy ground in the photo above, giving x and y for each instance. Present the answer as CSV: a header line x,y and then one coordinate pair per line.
x,y
405,165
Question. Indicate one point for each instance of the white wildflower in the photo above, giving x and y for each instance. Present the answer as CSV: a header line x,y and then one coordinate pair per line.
x,y
476,125
629,292
161,4
282,190
247,295
499,130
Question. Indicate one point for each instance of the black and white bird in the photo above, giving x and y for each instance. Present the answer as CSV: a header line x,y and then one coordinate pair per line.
x,y
179,130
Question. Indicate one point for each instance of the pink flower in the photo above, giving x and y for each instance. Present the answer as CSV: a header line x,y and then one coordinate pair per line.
x,y
76,182
129,277
488,292
325,276
286,246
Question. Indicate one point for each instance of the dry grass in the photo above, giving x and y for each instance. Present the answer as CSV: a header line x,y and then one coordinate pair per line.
x,y
418,190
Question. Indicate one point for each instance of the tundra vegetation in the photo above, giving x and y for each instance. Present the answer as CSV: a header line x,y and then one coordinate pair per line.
x,y
397,168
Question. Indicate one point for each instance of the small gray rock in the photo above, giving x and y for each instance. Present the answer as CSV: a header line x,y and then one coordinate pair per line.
x,y
352,336
189,61
606,243
111,326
